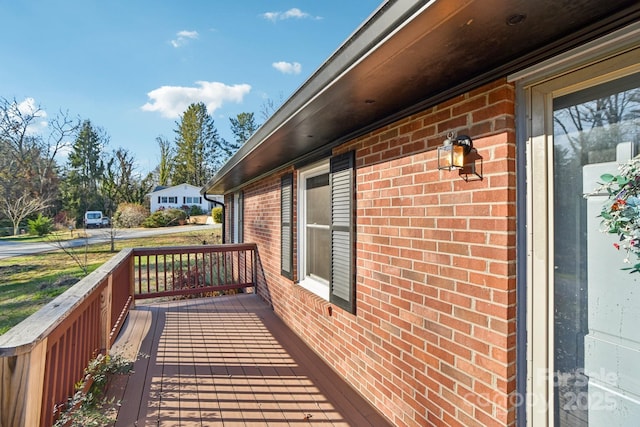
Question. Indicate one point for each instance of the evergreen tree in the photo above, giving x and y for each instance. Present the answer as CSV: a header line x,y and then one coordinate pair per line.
x,y
85,171
199,150
243,126
166,161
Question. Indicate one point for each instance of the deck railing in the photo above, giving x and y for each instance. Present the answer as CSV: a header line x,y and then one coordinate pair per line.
x,y
193,270
45,355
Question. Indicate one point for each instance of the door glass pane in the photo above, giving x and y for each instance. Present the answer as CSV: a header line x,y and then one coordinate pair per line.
x,y
589,126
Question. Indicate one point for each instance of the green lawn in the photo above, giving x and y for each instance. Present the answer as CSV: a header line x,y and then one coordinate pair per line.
x,y
29,282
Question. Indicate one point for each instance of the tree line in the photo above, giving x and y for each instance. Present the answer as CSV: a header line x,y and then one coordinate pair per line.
x,y
93,177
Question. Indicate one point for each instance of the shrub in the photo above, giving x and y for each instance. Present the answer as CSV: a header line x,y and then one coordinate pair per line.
x,y
41,226
216,214
129,215
165,218
63,220
89,405
195,210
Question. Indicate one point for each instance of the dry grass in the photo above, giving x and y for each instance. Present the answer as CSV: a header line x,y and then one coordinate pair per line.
x,y
29,282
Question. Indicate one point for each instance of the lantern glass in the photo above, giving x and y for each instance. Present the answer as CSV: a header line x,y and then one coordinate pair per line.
x,y
445,157
472,170
457,156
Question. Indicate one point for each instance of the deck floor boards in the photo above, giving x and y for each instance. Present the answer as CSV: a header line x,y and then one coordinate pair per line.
x,y
227,361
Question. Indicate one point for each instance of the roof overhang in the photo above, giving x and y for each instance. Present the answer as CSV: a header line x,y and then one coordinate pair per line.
x,y
411,55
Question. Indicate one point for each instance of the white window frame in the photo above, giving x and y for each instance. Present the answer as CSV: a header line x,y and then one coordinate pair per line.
x,y
315,285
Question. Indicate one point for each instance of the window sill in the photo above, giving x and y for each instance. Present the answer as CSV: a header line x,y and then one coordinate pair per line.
x,y
316,286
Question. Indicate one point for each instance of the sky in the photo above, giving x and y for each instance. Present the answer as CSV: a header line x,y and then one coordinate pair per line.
x,y
132,67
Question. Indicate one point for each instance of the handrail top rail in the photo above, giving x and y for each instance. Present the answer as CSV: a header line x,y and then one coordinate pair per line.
x,y
25,335
226,247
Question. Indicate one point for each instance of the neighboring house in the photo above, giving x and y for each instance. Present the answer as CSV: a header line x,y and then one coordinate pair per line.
x,y
444,301
178,196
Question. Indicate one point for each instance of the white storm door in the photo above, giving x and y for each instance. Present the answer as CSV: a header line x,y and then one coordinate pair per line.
x,y
583,310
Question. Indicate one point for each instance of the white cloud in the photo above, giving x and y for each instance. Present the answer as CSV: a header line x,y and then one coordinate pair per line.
x,y
293,13
63,153
29,107
183,37
172,101
287,67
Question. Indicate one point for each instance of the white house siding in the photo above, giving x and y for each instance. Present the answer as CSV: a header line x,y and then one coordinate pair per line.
x,y
178,196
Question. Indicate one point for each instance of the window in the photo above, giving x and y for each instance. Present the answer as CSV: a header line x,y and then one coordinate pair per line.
x,y
325,230
165,199
240,212
237,217
192,200
313,231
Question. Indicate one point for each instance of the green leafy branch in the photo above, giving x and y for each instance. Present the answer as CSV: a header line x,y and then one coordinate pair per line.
x,y
621,212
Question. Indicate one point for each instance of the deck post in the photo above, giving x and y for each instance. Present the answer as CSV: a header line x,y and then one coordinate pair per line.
x,y
21,387
132,279
106,300
254,260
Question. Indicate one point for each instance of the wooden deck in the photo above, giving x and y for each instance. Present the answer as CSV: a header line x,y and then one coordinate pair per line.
x,y
227,361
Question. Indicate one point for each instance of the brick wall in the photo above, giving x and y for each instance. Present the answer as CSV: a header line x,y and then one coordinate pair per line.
x,y
433,340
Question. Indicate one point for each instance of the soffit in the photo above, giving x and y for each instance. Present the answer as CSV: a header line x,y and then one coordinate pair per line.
x,y
408,56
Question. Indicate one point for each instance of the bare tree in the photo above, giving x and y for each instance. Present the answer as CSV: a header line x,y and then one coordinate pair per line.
x,y
33,141
19,208
269,106
80,258
598,124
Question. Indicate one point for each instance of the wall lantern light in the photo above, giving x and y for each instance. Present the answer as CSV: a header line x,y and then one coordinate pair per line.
x,y
458,153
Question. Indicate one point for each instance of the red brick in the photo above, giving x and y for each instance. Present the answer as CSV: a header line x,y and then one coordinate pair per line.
x,y
481,128
454,124
435,272
471,316
506,92
455,324
494,110
469,105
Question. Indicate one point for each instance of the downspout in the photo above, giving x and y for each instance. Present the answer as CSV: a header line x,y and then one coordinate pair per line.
x,y
217,203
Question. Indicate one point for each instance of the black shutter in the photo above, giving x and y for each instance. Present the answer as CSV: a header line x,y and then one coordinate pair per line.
x,y
240,217
286,226
342,184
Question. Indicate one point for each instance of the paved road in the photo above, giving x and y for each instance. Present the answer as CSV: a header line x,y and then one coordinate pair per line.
x,y
10,249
